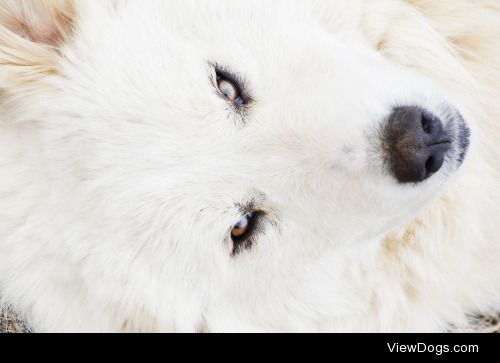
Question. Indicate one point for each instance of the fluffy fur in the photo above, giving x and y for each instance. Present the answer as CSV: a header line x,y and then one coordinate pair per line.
x,y
123,170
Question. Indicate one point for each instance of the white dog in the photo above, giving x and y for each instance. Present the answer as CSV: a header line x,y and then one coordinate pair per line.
x,y
249,165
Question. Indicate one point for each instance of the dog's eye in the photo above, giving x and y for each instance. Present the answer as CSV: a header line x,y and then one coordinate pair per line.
x,y
242,232
230,90
243,227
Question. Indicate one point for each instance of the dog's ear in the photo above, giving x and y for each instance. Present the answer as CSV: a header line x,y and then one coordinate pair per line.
x,y
32,34
47,22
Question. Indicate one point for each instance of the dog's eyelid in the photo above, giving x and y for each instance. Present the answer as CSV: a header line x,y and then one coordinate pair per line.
x,y
224,73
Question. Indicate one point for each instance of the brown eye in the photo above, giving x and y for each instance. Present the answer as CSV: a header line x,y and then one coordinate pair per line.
x,y
243,229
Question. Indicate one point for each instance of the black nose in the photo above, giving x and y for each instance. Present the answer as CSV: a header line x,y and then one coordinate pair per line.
x,y
416,144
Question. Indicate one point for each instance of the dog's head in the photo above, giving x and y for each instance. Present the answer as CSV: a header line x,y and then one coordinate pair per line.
x,y
221,148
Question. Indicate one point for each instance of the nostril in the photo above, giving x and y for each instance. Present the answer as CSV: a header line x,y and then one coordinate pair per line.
x,y
430,166
435,162
426,125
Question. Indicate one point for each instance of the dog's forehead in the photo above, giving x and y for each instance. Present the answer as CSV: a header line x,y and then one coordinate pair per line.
x,y
239,34
234,22
228,16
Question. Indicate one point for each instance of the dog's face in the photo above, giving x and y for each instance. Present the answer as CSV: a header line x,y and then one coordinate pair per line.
x,y
219,149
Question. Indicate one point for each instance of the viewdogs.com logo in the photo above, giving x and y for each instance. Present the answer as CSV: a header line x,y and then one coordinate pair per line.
x,y
432,349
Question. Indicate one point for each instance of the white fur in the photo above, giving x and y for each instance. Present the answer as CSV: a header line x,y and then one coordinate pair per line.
x,y
122,169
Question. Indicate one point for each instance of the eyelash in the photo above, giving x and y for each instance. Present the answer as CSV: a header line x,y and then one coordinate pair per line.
x,y
223,74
